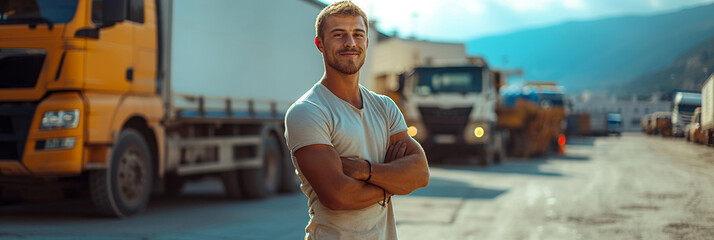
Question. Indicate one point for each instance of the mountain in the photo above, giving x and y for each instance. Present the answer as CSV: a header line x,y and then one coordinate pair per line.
x,y
687,72
599,54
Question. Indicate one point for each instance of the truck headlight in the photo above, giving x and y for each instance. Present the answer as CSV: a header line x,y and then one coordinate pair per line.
x,y
60,119
476,133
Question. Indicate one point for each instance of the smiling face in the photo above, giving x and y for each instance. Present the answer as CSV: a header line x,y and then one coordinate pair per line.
x,y
344,43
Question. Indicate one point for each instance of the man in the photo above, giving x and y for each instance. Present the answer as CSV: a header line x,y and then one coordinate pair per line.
x,y
349,145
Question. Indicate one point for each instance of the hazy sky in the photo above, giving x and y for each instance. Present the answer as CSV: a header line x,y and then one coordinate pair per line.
x,y
460,20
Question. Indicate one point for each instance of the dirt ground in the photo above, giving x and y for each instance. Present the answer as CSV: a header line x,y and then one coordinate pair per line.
x,y
629,187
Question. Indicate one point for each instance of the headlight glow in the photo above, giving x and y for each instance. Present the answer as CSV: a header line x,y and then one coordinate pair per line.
x,y
412,131
60,119
478,132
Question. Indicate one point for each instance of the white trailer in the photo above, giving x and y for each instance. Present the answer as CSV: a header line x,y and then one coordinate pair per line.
x,y
232,68
707,111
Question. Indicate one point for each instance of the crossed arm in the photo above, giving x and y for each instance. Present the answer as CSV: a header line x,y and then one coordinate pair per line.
x,y
339,183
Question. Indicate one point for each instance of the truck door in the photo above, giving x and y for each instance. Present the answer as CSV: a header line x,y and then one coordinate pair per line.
x,y
110,54
142,14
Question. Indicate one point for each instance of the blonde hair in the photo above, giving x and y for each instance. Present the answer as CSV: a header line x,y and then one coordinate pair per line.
x,y
339,8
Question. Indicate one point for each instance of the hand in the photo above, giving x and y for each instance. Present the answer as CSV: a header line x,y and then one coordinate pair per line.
x,y
396,151
355,168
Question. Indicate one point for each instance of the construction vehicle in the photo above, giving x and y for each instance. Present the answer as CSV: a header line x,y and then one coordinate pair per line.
x,y
661,124
645,122
533,117
684,104
450,110
125,98
707,112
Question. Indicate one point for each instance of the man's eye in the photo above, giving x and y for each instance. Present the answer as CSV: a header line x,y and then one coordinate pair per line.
x,y
338,35
359,35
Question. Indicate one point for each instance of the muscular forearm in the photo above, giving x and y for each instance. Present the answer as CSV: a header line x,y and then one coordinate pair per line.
x,y
401,176
352,195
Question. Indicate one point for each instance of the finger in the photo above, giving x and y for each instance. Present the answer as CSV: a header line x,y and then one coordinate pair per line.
x,y
388,156
395,153
403,150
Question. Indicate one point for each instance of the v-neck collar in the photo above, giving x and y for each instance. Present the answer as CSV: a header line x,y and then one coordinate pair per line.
x,y
361,94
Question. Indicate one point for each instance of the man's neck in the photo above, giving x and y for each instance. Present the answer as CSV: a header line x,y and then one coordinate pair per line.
x,y
345,87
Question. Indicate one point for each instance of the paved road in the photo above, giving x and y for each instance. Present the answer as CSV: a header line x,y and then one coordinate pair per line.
x,y
631,187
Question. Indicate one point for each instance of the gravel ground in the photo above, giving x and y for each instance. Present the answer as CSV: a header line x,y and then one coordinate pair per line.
x,y
629,187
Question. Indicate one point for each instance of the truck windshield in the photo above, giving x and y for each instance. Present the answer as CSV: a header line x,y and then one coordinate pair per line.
x,y
448,80
37,11
554,99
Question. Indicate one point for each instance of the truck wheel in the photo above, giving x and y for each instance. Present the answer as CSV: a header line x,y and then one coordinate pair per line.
x,y
123,189
500,155
485,155
290,181
231,185
264,181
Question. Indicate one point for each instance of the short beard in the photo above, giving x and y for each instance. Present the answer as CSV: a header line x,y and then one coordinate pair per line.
x,y
347,68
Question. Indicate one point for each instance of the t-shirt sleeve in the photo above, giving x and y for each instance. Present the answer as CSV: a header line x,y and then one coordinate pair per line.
x,y
306,124
396,119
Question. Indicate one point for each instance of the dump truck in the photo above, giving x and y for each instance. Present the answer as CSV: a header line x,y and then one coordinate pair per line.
x,y
450,110
645,122
128,98
684,104
707,112
533,117
661,124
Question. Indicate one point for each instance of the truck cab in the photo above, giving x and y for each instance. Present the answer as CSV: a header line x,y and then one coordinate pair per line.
x,y
450,110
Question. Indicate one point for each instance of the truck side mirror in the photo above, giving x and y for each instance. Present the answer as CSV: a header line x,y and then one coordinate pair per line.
x,y
113,11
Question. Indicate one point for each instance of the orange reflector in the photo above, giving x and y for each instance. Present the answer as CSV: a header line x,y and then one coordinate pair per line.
x,y
561,139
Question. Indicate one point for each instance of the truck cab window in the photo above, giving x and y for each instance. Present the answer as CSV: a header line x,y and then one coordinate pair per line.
x,y
37,11
135,11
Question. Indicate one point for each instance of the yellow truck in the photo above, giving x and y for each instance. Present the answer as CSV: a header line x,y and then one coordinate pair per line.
x,y
124,98
534,117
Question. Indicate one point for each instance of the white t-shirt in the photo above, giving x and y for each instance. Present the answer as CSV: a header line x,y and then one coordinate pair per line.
x,y
320,117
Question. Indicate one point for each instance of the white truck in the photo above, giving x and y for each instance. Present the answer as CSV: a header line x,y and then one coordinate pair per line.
x,y
683,110
450,110
707,111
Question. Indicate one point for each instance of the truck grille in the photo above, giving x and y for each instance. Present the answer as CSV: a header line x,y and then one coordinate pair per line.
x,y
15,121
445,121
20,68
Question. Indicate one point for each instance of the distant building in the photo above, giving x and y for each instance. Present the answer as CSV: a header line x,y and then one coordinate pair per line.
x,y
632,110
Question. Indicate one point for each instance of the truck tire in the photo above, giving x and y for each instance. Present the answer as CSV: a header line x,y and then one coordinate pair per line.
x,y
500,154
290,181
264,181
484,156
231,185
124,188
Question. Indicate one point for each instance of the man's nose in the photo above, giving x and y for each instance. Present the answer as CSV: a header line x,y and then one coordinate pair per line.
x,y
350,42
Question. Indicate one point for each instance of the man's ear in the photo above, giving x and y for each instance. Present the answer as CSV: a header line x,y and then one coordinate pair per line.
x,y
318,43
367,42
